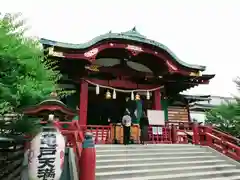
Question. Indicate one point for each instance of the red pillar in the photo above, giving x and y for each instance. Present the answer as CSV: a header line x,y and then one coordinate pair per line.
x,y
208,132
83,107
157,100
88,158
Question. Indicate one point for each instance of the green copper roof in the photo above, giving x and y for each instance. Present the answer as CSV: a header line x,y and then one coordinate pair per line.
x,y
131,35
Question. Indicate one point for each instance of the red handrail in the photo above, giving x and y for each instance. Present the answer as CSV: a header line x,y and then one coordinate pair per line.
x,y
225,147
229,136
172,132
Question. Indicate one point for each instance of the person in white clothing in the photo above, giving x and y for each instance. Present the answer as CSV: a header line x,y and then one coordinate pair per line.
x,y
127,122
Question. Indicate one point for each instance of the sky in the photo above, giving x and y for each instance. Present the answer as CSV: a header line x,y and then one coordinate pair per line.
x,y
204,32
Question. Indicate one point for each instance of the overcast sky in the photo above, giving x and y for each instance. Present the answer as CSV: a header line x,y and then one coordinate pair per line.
x,y
205,32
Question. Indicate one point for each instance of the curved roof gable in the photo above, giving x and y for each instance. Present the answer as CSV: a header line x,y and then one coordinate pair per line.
x,y
132,35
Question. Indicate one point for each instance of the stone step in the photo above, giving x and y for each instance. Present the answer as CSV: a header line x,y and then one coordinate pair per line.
x,y
148,146
152,150
162,161
146,154
223,178
163,171
207,175
157,159
160,165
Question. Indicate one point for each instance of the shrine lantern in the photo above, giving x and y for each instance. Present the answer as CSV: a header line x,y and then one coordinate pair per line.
x,y
46,154
51,106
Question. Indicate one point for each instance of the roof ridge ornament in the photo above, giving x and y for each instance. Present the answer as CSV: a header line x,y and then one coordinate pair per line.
x,y
134,33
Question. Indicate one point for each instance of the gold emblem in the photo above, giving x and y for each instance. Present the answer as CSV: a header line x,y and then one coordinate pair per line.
x,y
93,68
55,53
195,73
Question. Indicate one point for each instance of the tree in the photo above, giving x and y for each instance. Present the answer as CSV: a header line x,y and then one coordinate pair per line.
x,y
226,117
26,77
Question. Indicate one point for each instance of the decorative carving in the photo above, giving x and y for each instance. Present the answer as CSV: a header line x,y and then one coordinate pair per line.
x,y
93,67
195,73
135,50
91,53
171,66
55,53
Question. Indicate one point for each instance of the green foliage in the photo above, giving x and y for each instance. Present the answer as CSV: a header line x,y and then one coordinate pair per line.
x,y
20,126
25,79
26,76
226,118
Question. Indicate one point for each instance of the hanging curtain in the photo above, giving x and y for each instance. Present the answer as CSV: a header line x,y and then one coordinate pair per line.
x,y
138,112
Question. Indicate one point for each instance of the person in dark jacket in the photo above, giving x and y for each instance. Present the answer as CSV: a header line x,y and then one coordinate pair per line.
x,y
144,123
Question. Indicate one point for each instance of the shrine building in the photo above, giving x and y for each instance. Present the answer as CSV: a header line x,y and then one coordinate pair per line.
x,y
118,70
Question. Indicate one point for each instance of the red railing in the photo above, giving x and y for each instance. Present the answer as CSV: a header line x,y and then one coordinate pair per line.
x,y
179,133
220,141
174,132
101,134
159,134
74,138
182,137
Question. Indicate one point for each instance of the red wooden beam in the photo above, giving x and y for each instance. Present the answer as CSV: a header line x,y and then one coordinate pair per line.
x,y
93,51
122,84
120,71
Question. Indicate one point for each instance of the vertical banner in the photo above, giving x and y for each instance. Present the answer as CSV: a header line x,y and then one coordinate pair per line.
x,y
138,112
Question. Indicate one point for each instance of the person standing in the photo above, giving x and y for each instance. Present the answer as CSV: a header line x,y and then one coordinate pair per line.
x,y
144,123
126,121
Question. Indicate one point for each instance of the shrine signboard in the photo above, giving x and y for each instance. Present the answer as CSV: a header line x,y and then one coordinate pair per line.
x,y
156,119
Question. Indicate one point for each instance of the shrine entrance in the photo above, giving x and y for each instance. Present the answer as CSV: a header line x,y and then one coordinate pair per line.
x,y
103,110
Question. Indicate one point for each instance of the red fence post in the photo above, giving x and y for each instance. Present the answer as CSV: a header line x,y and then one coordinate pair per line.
x,y
88,158
174,134
208,132
196,136
238,152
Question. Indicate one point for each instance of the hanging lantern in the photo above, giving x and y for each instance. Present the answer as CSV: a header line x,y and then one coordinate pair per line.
x,y
47,147
97,89
108,95
132,96
148,95
137,97
114,94
50,117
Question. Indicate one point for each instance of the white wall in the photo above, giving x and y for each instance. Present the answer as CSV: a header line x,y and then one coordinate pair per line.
x,y
199,116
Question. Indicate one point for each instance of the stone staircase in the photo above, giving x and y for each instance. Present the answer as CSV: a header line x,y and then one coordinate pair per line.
x,y
163,161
